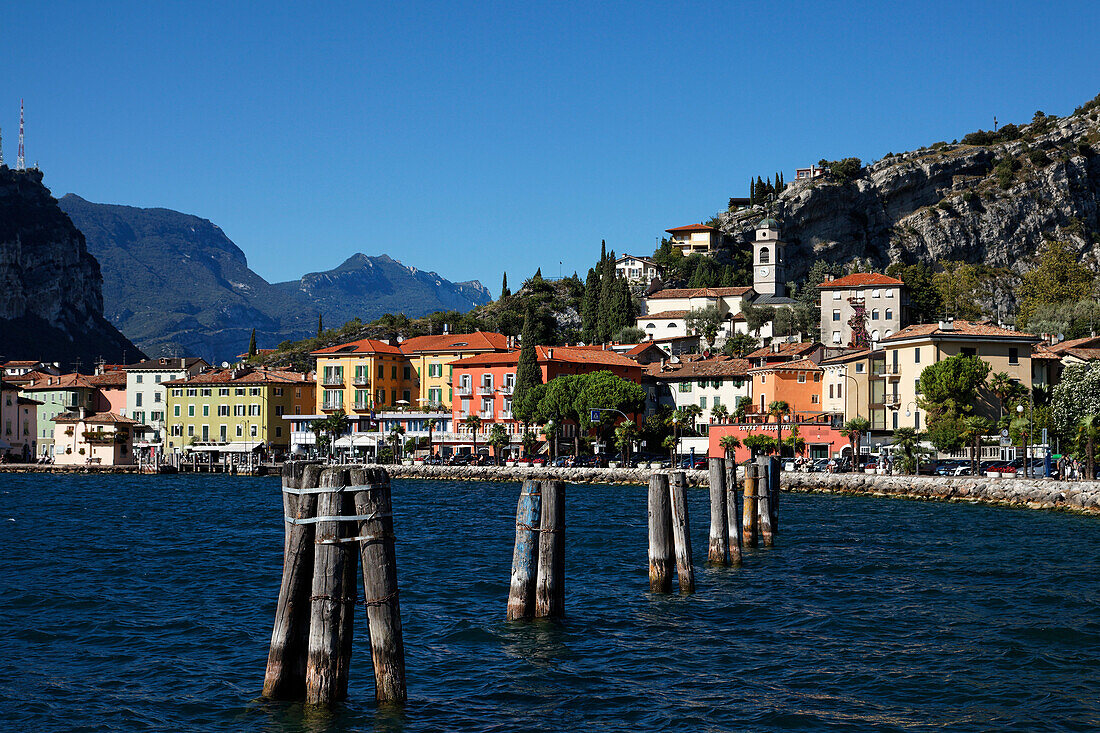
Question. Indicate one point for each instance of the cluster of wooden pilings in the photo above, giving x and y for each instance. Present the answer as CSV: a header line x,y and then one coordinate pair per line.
x,y
334,517
537,589
757,521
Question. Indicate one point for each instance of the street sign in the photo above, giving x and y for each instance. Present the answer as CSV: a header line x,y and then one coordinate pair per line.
x,y
1044,436
595,416
1004,432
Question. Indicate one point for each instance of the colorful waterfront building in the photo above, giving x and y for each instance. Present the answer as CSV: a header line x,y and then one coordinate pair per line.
x,y
100,439
18,424
57,395
431,357
235,410
362,377
798,383
145,394
695,380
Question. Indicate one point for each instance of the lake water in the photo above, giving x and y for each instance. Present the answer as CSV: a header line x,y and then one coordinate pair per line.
x,y
146,603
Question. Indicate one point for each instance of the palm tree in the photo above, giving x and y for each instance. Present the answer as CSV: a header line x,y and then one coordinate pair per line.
x,y
498,439
738,414
688,413
433,423
779,408
1005,389
395,437
331,426
907,440
719,413
730,444
550,432
473,424
626,433
853,430
1087,428
974,428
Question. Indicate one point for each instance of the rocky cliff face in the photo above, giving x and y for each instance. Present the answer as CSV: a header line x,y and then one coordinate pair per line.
x,y
950,202
51,298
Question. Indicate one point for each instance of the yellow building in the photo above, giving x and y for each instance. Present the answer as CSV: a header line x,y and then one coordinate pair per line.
x,y
228,409
430,357
363,376
911,349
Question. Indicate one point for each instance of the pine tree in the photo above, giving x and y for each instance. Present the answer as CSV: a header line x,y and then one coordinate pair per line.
x,y
504,291
607,293
320,326
528,373
252,344
590,308
752,192
623,310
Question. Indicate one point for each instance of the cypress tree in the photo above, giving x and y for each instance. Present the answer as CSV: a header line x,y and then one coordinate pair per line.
x,y
504,291
320,326
590,308
528,373
752,192
623,309
761,194
603,251
607,292
782,183
252,344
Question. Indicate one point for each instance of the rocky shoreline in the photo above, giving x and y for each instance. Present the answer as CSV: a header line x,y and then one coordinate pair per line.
x,y
1081,496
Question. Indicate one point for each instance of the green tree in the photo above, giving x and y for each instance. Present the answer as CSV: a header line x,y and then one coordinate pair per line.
x,y
320,326
605,391
958,286
528,374
759,444
330,427
590,310
1074,397
1059,277
719,413
925,302
1008,392
729,444
757,316
907,440
432,424
473,424
559,401
974,428
622,308
629,335
626,433
396,432
949,388
504,291
705,322
498,439
1088,433
739,344
777,409
854,430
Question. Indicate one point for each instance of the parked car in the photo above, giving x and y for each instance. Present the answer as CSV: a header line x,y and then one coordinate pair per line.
x,y
538,461
433,461
698,464
460,459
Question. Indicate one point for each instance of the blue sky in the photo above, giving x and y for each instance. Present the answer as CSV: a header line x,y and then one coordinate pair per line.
x,y
476,138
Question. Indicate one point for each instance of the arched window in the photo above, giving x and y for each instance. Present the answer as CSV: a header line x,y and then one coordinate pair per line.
x,y
651,325
874,335
889,314
765,255
874,314
672,325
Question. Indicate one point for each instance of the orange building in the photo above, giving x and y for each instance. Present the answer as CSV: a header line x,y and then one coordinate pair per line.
x,y
798,383
483,384
823,438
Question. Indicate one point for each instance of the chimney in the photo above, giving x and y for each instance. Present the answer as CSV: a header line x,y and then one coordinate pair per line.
x,y
550,353
446,328
830,277
82,412
948,325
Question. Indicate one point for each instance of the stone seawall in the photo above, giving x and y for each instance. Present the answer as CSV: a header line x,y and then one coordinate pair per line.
x,y
1018,492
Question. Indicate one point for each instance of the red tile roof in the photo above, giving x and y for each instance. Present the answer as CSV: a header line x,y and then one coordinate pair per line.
x,y
785,350
105,418
800,365
1063,346
244,377
665,314
642,348
544,354
64,381
689,368
861,280
691,228
1085,354
363,346
111,380
961,328
698,293
476,341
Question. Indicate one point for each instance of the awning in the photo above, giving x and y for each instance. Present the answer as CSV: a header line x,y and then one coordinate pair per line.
x,y
238,447
357,441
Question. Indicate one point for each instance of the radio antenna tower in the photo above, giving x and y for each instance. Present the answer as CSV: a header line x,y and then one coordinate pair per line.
x,y
20,163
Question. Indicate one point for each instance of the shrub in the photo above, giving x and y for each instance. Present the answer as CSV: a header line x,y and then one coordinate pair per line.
x,y
844,170
939,145
1084,149
1038,158
969,196
1005,170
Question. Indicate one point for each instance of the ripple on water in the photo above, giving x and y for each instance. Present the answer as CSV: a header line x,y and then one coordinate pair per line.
x,y
146,604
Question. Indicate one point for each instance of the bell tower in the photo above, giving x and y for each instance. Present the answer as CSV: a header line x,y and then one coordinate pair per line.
x,y
769,260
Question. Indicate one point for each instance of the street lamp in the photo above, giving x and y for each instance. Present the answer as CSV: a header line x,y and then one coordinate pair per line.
x,y
1025,441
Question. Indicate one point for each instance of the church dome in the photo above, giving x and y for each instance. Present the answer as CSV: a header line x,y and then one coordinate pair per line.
x,y
768,223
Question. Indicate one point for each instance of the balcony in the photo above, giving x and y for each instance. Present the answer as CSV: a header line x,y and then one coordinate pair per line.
x,y
464,391
486,414
361,380
508,389
892,370
333,380
893,400
507,415
332,405
485,389
360,406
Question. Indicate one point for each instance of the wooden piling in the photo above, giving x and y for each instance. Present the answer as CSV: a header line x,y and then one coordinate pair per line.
x,y
763,508
775,470
550,577
285,678
718,549
521,594
748,525
374,503
326,665
681,531
660,533
733,516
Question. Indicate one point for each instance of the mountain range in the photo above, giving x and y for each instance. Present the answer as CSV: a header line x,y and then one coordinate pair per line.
x,y
174,282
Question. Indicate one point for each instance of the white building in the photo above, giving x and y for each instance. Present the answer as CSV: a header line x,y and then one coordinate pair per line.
x,y
693,380
637,269
667,310
884,301
145,397
695,239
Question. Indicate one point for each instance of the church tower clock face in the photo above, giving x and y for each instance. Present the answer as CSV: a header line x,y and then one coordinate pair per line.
x,y
763,272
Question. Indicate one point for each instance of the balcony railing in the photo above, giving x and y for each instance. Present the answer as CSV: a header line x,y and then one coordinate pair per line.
x,y
361,380
332,405
506,415
485,389
486,414
893,399
464,391
360,406
332,380
508,388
